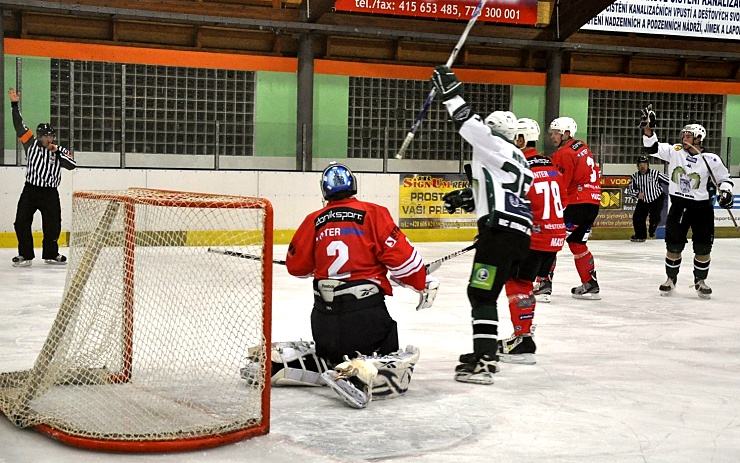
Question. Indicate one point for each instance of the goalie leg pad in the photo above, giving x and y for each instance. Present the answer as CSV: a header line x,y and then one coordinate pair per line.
x,y
394,372
293,364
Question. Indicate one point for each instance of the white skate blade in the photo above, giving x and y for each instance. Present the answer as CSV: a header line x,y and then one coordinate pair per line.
x,y
587,296
349,394
484,377
666,293
543,298
703,296
518,359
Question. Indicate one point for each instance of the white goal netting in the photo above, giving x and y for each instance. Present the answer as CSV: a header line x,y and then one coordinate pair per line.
x,y
154,325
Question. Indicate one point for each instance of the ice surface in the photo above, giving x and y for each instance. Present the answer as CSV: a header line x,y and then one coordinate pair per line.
x,y
635,377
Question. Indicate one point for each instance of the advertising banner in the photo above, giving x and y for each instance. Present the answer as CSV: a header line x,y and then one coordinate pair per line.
x,y
709,19
616,208
522,12
420,202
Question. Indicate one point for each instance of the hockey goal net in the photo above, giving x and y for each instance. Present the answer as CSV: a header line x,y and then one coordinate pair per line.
x,y
154,325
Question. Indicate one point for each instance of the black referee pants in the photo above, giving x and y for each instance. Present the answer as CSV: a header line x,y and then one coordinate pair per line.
x,y
650,211
46,200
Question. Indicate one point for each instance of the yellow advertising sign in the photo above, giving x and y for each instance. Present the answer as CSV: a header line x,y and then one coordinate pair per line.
x,y
421,204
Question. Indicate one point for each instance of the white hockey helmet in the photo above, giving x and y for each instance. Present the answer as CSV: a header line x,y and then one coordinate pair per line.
x,y
697,130
502,123
564,124
528,128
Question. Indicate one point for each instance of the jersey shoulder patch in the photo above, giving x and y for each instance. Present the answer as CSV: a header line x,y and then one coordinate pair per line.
x,y
577,145
677,147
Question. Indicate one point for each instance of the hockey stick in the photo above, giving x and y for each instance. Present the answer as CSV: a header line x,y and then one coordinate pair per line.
x,y
714,180
436,264
242,255
428,102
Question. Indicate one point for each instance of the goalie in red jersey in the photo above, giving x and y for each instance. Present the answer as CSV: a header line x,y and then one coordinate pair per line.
x,y
348,247
582,197
548,237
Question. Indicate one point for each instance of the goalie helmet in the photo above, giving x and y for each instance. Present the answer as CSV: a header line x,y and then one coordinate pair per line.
x,y
338,182
697,130
45,129
502,123
564,124
528,128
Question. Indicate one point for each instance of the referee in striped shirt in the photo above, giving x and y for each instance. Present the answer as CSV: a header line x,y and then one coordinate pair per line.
x,y
44,160
647,186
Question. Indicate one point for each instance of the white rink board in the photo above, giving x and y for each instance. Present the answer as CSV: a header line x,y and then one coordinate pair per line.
x,y
634,377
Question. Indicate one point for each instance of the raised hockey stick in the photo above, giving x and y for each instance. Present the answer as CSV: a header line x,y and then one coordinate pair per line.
x,y
714,180
436,264
242,255
428,102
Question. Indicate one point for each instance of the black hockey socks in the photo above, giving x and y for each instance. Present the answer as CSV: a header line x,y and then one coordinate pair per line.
x,y
701,269
672,267
485,329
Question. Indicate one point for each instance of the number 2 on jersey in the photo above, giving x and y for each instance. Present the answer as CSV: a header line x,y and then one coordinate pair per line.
x,y
341,251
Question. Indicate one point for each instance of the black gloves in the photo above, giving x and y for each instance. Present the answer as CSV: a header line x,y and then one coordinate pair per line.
x,y
459,199
724,200
446,83
647,117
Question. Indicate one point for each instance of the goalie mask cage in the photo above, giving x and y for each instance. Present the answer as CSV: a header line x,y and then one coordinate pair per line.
x,y
146,349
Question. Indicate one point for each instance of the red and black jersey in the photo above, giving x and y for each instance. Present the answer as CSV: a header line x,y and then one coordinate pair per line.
x,y
548,228
354,240
581,175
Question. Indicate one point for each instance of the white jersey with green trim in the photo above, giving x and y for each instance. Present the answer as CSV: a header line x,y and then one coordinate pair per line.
x,y
501,178
688,173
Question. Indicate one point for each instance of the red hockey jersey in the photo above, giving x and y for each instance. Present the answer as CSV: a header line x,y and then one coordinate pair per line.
x,y
354,240
548,228
581,176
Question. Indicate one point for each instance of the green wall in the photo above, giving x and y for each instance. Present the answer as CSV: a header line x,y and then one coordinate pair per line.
x,y
529,101
330,116
275,106
35,94
732,126
574,103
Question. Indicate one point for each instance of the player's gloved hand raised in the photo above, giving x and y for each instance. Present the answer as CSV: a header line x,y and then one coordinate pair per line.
x,y
446,83
725,199
459,199
647,117
427,296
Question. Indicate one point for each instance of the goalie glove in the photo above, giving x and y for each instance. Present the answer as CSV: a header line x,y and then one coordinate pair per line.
x,y
446,83
427,296
725,199
647,117
459,199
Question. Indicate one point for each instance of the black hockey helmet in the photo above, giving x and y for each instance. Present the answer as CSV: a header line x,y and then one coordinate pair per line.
x,y
45,129
642,159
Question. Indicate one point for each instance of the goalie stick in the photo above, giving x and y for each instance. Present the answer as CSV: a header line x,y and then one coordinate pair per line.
x,y
432,266
428,102
243,255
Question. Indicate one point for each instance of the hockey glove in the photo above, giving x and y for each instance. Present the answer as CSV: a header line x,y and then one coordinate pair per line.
x,y
459,199
725,199
426,297
446,83
647,117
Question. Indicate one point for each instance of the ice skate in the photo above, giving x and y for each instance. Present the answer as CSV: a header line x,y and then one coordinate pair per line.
x,y
58,260
477,370
702,289
666,289
20,261
543,291
589,290
518,349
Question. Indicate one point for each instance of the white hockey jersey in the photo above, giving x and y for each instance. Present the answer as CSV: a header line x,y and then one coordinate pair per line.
x,y
688,174
501,176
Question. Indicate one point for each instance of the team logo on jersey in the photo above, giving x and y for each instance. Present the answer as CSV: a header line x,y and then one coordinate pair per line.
x,y
686,182
677,147
482,276
390,242
339,214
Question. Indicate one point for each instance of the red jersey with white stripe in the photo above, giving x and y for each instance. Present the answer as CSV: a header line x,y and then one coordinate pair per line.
x,y
581,175
548,228
354,240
